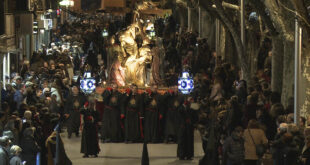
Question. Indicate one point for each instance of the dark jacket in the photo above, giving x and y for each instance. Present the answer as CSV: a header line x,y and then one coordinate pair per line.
x,y
4,156
306,155
29,150
16,160
285,153
234,149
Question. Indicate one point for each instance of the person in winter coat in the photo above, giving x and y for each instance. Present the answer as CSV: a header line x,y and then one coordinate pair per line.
x,y
15,152
253,136
286,151
29,146
234,147
4,155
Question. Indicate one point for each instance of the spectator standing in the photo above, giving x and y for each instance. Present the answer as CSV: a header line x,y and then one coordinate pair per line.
x,y
253,136
29,146
234,148
4,155
15,152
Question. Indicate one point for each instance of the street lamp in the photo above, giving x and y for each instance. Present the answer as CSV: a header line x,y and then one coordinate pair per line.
x,y
67,3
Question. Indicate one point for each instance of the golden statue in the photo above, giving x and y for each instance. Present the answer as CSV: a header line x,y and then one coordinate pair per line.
x,y
133,57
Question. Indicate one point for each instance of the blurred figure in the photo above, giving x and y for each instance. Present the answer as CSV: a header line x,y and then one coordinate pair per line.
x,y
4,155
286,152
75,102
51,148
234,148
253,136
29,147
186,133
306,152
89,143
112,131
15,152
131,113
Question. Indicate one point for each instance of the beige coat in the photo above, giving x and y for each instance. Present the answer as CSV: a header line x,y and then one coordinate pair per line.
x,y
259,138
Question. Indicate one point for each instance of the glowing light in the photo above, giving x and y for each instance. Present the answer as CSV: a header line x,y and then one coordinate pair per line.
x,y
67,3
186,83
88,84
105,33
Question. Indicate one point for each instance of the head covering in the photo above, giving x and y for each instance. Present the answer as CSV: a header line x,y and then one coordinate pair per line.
x,y
15,149
9,134
4,140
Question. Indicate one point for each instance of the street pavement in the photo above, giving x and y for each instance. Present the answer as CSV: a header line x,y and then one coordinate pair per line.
x,y
130,154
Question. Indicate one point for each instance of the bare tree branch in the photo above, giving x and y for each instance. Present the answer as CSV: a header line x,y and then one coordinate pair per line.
x,y
303,14
260,9
282,20
237,39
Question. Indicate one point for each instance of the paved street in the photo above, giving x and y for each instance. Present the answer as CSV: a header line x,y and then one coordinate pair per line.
x,y
129,154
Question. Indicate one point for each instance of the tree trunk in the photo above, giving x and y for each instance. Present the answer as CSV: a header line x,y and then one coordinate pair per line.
x,y
288,72
277,63
246,75
180,15
230,50
253,48
304,83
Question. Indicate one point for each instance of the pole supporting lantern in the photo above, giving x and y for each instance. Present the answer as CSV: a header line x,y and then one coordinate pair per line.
x,y
298,44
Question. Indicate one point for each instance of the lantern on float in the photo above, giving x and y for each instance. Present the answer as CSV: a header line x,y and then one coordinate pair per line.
x,y
105,33
186,83
88,83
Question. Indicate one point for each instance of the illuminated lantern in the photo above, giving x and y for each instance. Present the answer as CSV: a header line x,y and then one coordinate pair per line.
x,y
67,3
88,84
186,83
105,33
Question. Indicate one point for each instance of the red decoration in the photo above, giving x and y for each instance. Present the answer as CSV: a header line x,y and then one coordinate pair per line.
x,y
89,118
109,89
148,91
86,104
128,91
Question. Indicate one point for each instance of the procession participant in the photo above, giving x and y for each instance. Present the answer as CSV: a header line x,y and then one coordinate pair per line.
x,y
152,115
51,145
72,111
172,122
185,133
131,113
100,110
89,143
112,130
